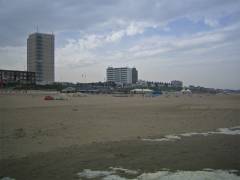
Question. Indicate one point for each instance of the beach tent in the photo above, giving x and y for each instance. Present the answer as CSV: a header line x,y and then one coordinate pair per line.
x,y
186,91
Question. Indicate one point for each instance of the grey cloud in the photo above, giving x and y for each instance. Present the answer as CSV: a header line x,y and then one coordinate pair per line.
x,y
18,18
93,24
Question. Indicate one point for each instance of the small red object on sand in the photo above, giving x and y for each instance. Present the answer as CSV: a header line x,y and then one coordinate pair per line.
x,y
48,98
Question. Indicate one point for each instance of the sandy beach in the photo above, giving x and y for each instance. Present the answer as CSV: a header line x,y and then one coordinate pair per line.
x,y
57,139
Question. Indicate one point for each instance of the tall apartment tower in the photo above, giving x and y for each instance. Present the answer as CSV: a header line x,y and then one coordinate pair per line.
x,y
40,57
124,75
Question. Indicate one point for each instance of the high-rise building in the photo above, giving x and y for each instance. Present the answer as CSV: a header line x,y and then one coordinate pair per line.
x,y
40,57
124,75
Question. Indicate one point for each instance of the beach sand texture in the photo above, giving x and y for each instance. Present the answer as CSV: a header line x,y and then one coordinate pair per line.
x,y
34,129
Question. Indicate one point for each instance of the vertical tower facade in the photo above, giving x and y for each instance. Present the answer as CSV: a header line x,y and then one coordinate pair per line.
x,y
40,57
134,75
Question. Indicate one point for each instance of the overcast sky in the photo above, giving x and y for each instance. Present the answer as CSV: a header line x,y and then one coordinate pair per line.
x,y
196,41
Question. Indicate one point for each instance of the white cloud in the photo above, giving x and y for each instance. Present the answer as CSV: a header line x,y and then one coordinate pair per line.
x,y
81,52
136,28
199,42
211,22
115,36
61,15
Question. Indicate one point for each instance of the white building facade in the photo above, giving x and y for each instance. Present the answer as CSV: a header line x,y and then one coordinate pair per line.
x,y
176,83
123,75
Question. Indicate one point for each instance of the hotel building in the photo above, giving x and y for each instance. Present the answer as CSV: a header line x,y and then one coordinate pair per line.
x,y
124,75
40,57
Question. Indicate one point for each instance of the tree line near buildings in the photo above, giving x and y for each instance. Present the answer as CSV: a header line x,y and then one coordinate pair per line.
x,y
111,87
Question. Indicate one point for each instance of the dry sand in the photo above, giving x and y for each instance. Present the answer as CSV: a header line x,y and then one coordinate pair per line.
x,y
56,139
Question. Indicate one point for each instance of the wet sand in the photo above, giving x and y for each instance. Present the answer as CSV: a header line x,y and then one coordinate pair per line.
x,y
195,153
56,139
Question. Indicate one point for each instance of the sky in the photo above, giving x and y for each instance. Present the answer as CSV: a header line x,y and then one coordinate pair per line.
x,y
195,41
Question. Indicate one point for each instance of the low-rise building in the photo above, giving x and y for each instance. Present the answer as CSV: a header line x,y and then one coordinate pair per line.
x,y
17,77
176,83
